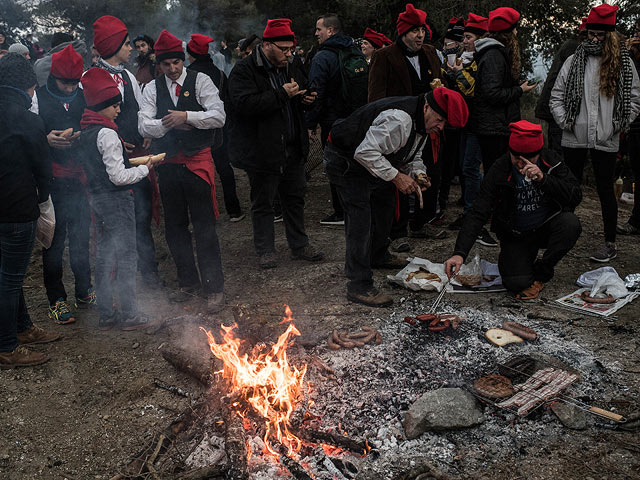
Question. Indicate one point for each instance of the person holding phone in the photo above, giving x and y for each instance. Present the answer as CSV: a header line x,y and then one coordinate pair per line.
x,y
530,196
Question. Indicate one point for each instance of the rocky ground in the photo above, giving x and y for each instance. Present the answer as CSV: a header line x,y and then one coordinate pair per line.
x,y
83,414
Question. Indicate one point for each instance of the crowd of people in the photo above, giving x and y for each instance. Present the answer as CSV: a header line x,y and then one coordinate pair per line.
x,y
397,119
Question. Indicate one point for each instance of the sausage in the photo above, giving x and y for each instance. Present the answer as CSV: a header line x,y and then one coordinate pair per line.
x,y
331,344
607,300
434,327
344,344
427,317
378,338
371,336
520,330
455,319
358,335
410,320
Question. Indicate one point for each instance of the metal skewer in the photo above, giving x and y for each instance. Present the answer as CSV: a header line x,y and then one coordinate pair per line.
x,y
438,299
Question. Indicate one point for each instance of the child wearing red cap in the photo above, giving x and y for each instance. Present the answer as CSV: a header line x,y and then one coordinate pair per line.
x,y
373,41
530,195
60,104
109,181
595,98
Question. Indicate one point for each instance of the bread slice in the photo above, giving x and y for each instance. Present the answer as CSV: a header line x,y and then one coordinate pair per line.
x,y
135,161
501,337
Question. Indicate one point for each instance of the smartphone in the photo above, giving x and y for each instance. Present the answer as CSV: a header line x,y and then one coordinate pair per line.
x,y
533,81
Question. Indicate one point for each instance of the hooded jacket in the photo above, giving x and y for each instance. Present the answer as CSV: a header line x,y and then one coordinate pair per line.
x,y
42,66
497,95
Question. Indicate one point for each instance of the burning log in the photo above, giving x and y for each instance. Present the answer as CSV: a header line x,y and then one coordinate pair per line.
x,y
235,445
188,363
330,438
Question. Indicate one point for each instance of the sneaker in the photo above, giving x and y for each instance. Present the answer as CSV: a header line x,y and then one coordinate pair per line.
x,y
136,322
309,253
333,219
37,335
183,294
90,300
457,223
277,218
400,245
236,217
215,302
486,239
107,323
372,298
22,357
428,231
60,312
268,260
438,219
627,229
605,253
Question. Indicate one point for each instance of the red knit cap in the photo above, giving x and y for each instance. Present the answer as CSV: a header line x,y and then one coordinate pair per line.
x,y
100,89
450,105
109,34
278,29
199,44
378,40
410,18
67,64
503,19
168,46
526,137
476,24
583,24
602,17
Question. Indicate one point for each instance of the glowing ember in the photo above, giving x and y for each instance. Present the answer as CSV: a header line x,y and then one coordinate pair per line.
x,y
267,381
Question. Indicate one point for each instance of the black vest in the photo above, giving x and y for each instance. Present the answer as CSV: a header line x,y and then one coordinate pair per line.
x,y
347,134
189,142
94,168
56,117
127,120
421,84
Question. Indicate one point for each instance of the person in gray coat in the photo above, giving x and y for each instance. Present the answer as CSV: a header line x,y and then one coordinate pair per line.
x,y
596,96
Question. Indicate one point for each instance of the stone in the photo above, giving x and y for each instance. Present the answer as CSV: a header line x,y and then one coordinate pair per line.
x,y
570,416
442,409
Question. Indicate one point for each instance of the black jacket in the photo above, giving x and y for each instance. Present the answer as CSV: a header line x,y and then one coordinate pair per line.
x,y
496,198
25,168
259,120
568,48
497,94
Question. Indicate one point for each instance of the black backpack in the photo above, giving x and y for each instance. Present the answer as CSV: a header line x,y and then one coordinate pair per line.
x,y
354,78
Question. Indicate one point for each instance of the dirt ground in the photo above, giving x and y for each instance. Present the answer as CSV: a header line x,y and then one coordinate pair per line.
x,y
83,414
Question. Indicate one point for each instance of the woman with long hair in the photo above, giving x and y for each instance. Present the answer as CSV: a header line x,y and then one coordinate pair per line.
x,y
595,98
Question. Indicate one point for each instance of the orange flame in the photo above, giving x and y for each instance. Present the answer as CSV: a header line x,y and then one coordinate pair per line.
x,y
288,315
267,381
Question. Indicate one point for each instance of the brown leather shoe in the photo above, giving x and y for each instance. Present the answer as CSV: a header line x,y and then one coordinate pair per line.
x,y
22,357
532,292
37,335
372,298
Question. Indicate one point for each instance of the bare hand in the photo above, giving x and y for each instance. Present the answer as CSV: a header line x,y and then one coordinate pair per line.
x,y
174,119
56,140
423,180
149,163
455,67
453,265
309,98
531,170
291,88
128,147
526,87
146,143
406,184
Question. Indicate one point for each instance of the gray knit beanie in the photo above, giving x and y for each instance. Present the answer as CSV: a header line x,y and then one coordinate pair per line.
x,y
16,71
18,48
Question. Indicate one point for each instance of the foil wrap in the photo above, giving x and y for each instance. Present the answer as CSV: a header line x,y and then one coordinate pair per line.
x,y
632,281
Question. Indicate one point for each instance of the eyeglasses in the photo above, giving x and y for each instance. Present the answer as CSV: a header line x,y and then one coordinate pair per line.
x,y
284,49
600,35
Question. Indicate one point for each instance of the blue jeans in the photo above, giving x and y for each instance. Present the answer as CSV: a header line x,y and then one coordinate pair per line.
x,y
16,245
471,159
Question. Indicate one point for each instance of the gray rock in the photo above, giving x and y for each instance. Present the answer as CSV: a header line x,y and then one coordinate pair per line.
x,y
443,409
570,416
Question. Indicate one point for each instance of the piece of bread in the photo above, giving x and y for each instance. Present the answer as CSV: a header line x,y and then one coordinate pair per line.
x,y
67,133
422,275
501,337
135,161
494,386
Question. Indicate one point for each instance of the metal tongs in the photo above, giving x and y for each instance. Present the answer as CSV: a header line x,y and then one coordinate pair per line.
x,y
438,299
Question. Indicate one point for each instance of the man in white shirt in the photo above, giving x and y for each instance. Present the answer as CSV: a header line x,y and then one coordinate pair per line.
x,y
180,110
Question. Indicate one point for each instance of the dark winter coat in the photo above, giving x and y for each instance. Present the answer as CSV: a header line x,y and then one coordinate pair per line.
x,y
258,116
25,167
497,198
497,94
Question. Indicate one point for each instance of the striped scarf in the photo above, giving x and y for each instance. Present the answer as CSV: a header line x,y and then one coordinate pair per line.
x,y
574,87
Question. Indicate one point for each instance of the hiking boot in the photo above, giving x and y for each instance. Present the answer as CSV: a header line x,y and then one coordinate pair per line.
x,y
308,253
136,322
532,292
268,260
22,357
372,298
89,300
391,262
457,223
400,245
486,239
37,335
236,217
333,219
183,294
60,312
605,253
215,302
277,218
107,323
627,229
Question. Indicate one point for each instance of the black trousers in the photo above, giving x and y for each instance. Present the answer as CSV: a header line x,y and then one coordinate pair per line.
x,y
554,132
142,197
604,166
492,148
518,262
290,186
227,177
634,158
335,198
185,195
450,159
73,219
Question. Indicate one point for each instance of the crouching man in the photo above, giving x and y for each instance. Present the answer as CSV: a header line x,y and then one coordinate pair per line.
x,y
379,146
530,196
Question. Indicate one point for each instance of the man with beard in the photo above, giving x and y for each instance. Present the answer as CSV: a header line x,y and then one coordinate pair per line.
x,y
146,61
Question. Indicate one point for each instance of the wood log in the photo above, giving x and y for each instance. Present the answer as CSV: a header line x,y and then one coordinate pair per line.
x,y
235,445
317,436
295,469
195,366
206,473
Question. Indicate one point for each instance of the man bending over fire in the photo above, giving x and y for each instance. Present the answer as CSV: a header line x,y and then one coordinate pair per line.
x,y
378,146
530,196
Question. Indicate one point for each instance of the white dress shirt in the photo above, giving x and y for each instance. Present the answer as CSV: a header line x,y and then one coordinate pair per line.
x,y
110,148
206,94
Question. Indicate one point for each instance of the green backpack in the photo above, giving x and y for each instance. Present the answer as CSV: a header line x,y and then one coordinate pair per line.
x,y
354,78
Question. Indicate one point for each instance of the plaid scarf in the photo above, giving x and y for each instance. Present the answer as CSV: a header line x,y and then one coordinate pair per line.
x,y
102,63
574,87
